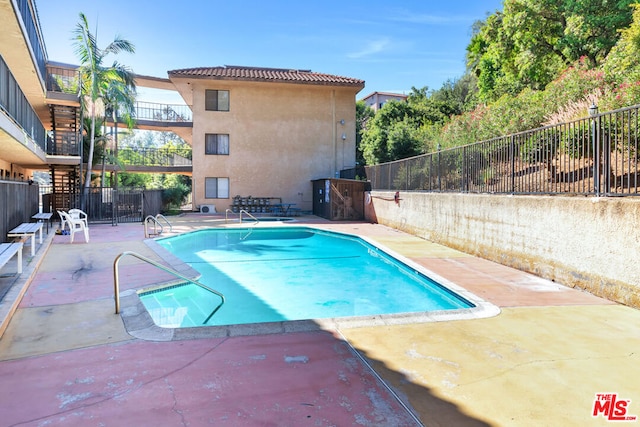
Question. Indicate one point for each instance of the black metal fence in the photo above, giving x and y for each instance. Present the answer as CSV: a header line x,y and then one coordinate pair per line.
x,y
594,156
109,205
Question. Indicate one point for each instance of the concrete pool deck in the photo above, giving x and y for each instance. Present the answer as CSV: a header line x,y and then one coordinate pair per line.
x,y
67,359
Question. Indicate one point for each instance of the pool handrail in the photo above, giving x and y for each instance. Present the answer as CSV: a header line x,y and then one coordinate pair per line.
x,y
160,216
156,223
226,215
116,280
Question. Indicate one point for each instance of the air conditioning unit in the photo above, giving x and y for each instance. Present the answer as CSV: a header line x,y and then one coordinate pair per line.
x,y
207,209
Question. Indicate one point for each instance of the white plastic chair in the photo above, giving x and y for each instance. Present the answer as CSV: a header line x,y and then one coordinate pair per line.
x,y
63,222
76,225
79,215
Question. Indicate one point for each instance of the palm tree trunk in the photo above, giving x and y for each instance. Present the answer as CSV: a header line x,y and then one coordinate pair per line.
x,y
87,180
115,152
104,149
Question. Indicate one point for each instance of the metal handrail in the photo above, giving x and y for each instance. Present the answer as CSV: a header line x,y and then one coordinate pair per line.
x,y
156,223
155,226
226,215
160,216
228,211
249,215
116,280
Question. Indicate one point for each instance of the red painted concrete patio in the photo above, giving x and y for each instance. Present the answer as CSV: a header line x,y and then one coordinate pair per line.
x,y
67,359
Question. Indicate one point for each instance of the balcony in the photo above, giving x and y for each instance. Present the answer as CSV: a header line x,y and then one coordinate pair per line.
x,y
63,84
16,107
34,36
176,118
63,99
149,160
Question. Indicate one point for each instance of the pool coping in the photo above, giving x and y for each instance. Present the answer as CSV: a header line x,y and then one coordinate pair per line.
x,y
139,323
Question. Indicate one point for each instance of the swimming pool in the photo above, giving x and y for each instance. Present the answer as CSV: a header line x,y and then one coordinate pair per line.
x,y
292,273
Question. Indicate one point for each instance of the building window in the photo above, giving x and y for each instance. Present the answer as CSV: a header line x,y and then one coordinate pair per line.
x,y
216,100
216,143
216,188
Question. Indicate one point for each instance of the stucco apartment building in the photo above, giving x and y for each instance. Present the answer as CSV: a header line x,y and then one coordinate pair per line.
x,y
258,132
265,132
39,118
39,107
376,100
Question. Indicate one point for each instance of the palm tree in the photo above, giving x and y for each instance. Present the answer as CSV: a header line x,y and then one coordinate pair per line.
x,y
95,78
119,99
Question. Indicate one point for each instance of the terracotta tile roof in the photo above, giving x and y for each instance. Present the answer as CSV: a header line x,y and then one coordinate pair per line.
x,y
280,75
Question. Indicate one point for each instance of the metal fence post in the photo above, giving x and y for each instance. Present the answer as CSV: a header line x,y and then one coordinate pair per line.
x,y
593,112
463,175
439,171
512,155
408,175
605,138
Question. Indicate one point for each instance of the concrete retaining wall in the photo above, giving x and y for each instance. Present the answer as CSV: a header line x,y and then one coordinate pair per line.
x,y
588,243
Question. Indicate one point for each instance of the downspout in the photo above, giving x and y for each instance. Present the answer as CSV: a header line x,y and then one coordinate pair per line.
x,y
334,132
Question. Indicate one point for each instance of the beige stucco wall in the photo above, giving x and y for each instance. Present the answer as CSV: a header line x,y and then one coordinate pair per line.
x,y
14,170
590,243
281,136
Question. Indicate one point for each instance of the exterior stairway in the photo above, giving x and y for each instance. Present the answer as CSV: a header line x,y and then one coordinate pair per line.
x,y
65,123
65,186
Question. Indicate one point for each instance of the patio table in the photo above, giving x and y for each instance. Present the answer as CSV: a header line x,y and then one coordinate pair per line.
x,y
283,208
43,217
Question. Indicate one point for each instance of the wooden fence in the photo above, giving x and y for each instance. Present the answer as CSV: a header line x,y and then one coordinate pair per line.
x,y
18,201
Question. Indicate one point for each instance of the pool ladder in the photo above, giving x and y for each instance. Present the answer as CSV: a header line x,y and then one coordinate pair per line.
x,y
156,224
116,280
242,211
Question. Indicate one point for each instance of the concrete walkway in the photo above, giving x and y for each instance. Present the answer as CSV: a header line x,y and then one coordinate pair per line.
x,y
67,359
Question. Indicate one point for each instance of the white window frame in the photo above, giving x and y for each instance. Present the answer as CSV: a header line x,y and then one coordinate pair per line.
x,y
216,188
216,100
216,143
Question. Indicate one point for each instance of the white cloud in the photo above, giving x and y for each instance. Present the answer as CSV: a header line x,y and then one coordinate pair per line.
x,y
371,48
425,18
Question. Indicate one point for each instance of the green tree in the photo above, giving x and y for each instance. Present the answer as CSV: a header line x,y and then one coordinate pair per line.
x,y
119,99
95,77
532,41
375,140
404,141
364,113
623,60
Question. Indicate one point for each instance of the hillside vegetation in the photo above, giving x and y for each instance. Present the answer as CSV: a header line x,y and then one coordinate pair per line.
x,y
535,63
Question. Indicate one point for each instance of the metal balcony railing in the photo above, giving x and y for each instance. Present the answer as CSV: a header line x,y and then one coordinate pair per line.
x,y
152,156
16,106
63,79
31,23
166,113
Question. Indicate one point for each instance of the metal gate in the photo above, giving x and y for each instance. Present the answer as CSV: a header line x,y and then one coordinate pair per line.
x,y
108,205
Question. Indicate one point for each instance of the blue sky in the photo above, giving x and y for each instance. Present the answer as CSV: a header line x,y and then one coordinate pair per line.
x,y
393,46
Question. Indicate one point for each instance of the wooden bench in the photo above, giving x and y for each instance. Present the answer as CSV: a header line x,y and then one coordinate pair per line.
x,y
28,229
8,250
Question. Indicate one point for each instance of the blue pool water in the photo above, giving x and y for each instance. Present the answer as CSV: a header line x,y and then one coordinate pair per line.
x,y
290,273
